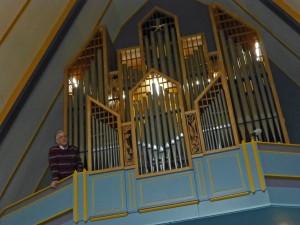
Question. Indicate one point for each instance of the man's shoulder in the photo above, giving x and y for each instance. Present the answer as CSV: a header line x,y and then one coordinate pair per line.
x,y
54,148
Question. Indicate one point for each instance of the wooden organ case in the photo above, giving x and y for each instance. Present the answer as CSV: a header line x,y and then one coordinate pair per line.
x,y
170,98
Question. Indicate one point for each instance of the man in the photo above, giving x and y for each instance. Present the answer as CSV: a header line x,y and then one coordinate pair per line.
x,y
63,158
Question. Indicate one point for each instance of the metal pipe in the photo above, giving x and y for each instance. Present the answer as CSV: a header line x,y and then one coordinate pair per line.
x,y
101,86
171,70
148,135
154,51
240,86
148,53
126,91
94,81
271,100
180,128
222,120
228,124
162,59
232,86
171,128
218,122
176,129
175,48
143,137
165,127
257,94
153,133
248,88
70,118
158,128
82,129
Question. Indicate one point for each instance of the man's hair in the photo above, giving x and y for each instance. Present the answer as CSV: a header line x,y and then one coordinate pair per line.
x,y
58,132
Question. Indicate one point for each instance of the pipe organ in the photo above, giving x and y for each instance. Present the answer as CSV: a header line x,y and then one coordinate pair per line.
x,y
87,75
157,116
104,137
159,35
170,98
254,98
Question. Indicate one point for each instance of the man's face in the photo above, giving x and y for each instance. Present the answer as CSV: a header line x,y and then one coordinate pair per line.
x,y
62,139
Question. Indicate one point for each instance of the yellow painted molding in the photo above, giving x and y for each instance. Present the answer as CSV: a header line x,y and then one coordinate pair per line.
x,y
285,7
282,153
258,166
12,99
229,196
248,167
108,217
279,143
14,21
168,206
85,205
283,176
54,217
75,197
29,144
41,178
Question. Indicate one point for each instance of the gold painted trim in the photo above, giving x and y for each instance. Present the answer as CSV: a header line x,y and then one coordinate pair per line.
x,y
278,144
85,205
20,86
53,217
258,166
282,153
36,132
108,217
285,7
41,178
239,4
288,177
168,206
229,196
14,21
75,187
252,187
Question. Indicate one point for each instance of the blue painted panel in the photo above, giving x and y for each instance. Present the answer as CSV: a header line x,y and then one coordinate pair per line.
x,y
130,181
166,189
48,206
106,194
281,163
226,174
284,196
201,183
251,201
79,196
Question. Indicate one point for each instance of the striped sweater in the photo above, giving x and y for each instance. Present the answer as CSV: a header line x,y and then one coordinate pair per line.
x,y
63,162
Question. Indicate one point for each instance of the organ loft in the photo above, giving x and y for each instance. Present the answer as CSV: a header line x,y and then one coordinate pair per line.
x,y
170,99
170,131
